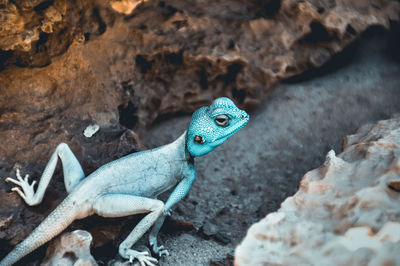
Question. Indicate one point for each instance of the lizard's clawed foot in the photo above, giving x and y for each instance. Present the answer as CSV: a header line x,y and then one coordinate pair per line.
x,y
143,257
159,250
27,192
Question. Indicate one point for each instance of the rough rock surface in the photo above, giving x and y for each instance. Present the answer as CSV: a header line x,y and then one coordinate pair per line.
x,y
70,249
346,212
190,51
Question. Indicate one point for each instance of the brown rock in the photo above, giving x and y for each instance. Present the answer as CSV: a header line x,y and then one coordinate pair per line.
x,y
125,6
395,185
237,48
343,213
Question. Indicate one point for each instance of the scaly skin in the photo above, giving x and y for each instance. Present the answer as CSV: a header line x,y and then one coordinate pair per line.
x,y
129,185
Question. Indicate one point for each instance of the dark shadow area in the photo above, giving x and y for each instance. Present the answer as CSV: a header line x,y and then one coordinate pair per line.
x,y
5,58
318,34
268,8
344,58
143,64
393,49
127,115
104,253
43,6
166,117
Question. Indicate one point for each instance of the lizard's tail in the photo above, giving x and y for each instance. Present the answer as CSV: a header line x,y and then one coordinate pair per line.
x,y
55,223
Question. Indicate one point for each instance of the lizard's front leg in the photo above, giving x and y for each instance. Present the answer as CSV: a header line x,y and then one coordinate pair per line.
x,y
72,170
179,193
118,205
159,250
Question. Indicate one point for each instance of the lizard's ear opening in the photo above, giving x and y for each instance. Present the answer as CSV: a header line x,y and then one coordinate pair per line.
x,y
197,146
198,139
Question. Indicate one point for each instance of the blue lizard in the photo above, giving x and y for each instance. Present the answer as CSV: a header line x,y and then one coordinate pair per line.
x,y
129,185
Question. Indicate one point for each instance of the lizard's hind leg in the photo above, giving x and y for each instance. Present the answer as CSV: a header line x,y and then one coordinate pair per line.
x,y
117,205
72,170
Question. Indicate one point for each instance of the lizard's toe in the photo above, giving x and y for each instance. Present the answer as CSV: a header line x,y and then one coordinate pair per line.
x,y
143,257
162,251
12,180
25,190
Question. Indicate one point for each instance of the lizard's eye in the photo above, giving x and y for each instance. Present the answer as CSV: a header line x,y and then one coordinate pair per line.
x,y
222,120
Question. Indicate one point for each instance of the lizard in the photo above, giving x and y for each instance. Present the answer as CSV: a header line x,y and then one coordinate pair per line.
x,y
129,185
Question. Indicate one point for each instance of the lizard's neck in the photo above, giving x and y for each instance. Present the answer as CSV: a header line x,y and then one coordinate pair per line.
x,y
181,145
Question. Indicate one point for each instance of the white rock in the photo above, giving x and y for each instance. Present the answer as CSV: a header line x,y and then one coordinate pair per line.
x,y
70,249
91,130
347,212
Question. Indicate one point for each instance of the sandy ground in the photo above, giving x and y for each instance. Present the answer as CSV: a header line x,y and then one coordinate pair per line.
x,y
289,134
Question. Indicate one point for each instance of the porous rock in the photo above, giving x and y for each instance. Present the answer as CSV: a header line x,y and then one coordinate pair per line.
x,y
345,212
190,51
194,50
70,249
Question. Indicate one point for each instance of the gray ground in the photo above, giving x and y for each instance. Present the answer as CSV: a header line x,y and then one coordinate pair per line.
x,y
289,134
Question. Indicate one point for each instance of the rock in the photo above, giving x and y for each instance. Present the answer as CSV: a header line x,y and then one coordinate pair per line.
x,y
209,229
91,130
395,185
70,249
125,6
190,52
11,210
223,238
344,212
363,237
33,32
227,261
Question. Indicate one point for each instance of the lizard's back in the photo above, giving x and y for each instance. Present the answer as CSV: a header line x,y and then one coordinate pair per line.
x,y
146,174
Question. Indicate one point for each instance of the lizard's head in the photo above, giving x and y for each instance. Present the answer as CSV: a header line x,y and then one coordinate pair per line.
x,y
212,125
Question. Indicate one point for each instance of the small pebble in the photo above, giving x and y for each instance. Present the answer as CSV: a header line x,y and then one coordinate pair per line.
x,y
91,130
